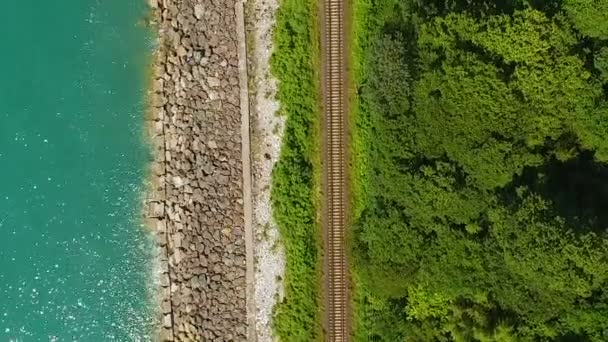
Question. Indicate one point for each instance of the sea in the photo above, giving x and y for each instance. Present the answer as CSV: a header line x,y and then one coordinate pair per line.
x,y
76,261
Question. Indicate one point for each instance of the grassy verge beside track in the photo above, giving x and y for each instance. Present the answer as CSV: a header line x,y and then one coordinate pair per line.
x,y
296,177
367,22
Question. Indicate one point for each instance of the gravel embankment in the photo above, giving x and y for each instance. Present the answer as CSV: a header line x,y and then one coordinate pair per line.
x,y
267,133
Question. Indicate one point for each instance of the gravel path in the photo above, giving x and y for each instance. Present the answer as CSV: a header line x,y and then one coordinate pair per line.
x,y
267,128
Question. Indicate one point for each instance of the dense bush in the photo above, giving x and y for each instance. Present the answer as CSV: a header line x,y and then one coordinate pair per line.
x,y
294,185
589,16
485,156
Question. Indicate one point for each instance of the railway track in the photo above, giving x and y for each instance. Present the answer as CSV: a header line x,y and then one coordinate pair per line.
x,y
335,170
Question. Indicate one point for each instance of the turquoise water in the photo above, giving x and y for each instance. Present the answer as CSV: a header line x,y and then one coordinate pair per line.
x,y
74,260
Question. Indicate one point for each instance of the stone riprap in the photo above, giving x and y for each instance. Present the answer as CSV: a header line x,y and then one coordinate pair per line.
x,y
196,205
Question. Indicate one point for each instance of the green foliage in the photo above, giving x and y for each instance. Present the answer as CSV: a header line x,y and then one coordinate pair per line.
x,y
601,63
385,86
589,16
501,134
294,182
481,141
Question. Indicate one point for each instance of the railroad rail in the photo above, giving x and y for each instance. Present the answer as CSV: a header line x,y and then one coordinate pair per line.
x,y
334,66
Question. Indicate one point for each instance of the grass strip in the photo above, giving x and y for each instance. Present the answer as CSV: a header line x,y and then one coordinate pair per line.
x,y
296,177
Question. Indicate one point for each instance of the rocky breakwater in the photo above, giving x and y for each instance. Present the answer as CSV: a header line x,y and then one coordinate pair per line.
x,y
196,204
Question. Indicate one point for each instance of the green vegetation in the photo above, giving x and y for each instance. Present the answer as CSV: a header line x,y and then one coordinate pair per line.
x,y
589,16
481,170
296,175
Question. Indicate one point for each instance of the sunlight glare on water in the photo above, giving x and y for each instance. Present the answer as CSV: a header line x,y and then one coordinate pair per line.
x,y
75,262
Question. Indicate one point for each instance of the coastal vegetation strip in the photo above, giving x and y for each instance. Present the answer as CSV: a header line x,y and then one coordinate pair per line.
x,y
480,158
296,177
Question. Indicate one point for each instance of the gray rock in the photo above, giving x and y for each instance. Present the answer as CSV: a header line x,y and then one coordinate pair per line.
x,y
213,82
178,181
157,210
182,51
177,240
199,11
167,321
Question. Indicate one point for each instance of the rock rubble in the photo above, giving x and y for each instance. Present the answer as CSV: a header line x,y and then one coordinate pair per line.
x,y
196,204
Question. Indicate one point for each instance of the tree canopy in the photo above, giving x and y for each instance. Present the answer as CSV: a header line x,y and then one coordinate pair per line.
x,y
589,16
482,212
